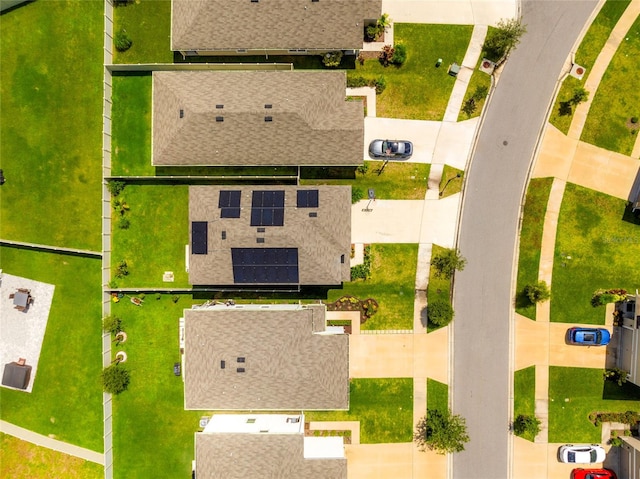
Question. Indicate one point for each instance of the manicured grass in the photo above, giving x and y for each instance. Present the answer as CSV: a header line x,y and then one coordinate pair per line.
x,y
51,123
398,181
155,240
437,395
617,99
23,460
417,89
384,408
478,80
586,392
524,390
451,181
149,419
535,207
392,284
439,288
66,401
148,23
604,250
589,49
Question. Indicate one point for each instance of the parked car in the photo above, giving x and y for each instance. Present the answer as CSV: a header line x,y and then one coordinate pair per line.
x,y
391,149
581,454
589,336
593,474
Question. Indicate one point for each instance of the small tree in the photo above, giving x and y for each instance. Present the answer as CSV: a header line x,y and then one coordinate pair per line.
x,y
111,324
469,107
441,431
529,425
115,187
122,40
447,262
122,270
501,40
537,292
115,379
439,313
399,54
580,95
356,194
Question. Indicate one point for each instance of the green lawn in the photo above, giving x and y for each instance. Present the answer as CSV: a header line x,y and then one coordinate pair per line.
x,y
51,123
604,250
148,24
418,90
392,285
437,395
586,55
524,390
149,419
156,238
479,80
535,208
23,460
576,392
66,401
617,99
439,288
384,408
451,181
398,181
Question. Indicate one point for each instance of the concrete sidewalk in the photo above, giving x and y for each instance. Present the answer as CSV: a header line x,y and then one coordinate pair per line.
x,y
44,441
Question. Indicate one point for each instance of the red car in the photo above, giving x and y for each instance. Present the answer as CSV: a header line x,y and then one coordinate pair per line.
x,y
593,474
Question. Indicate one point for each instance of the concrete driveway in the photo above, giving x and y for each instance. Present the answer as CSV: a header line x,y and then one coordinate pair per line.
x,y
423,135
461,12
399,460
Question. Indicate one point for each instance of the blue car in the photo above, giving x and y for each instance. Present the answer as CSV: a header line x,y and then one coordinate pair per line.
x,y
589,336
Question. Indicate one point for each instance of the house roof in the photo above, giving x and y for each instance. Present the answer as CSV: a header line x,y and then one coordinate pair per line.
x,y
211,25
262,357
255,118
320,236
256,456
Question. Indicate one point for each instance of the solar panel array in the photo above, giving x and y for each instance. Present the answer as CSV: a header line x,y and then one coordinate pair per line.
x,y
307,199
265,265
229,203
199,237
267,208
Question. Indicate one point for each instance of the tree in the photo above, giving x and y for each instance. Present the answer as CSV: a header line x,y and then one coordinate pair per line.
x,y
537,292
115,379
504,38
529,425
111,324
447,262
580,95
469,107
441,431
439,313
123,41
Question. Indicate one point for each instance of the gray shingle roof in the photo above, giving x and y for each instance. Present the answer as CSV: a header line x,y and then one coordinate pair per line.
x,y
286,365
270,24
312,123
256,456
321,240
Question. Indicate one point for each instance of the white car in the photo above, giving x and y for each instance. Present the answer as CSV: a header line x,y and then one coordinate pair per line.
x,y
581,454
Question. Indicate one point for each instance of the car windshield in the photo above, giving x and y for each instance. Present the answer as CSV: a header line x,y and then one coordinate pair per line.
x,y
589,337
571,456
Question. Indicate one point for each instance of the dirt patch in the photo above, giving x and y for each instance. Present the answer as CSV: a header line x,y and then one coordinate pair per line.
x,y
633,126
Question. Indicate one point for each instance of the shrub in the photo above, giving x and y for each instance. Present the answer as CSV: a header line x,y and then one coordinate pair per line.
x,y
363,168
439,313
447,262
115,187
332,59
120,205
122,40
158,296
480,92
122,270
115,379
603,297
400,54
380,84
615,442
369,307
441,431
363,271
357,82
616,374
634,119
537,292
124,223
175,298
529,425
386,55
356,194
111,324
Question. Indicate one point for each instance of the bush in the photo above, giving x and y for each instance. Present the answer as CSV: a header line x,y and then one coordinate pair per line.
x,y
115,379
122,40
380,84
616,375
529,425
356,194
363,168
537,292
111,324
175,298
124,223
615,442
158,296
332,59
604,297
400,54
634,119
386,55
363,271
122,270
115,187
369,307
357,82
441,431
439,313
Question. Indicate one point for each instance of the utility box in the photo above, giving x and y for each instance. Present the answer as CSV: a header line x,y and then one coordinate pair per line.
x,y
454,69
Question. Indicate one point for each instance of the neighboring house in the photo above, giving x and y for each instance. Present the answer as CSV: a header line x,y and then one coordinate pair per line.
x,y
629,354
257,446
270,27
629,458
255,118
260,236
263,357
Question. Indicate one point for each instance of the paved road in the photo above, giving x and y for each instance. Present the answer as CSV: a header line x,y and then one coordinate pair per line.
x,y
489,228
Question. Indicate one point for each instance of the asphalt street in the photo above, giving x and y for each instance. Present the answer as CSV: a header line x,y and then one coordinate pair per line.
x,y
483,299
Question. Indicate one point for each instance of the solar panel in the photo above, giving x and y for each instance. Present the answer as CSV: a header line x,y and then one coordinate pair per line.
x,y
229,203
267,208
307,199
199,237
265,265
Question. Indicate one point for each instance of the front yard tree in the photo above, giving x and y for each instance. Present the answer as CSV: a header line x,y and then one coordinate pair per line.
x,y
504,38
537,292
115,379
447,262
441,431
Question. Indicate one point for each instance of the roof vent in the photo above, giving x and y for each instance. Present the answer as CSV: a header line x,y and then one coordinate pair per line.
x,y
268,118
240,370
181,113
219,119
313,214
219,107
268,105
259,240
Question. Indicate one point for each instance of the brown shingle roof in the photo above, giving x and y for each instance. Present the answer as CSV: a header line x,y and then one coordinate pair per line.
x,y
312,123
321,240
270,24
286,365
258,456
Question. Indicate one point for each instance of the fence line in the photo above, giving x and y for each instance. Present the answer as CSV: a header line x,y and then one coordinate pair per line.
x,y
151,67
50,248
